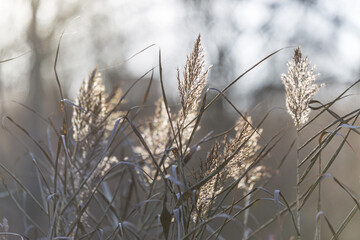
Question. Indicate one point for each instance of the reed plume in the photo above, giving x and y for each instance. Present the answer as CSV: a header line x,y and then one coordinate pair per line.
x,y
88,117
157,133
246,144
208,192
194,78
190,87
244,147
92,121
300,87
92,118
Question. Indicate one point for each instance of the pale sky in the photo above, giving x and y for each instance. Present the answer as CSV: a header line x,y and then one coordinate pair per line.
x,y
161,22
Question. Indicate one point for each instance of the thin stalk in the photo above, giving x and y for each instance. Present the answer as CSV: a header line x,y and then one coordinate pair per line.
x,y
319,203
246,217
298,183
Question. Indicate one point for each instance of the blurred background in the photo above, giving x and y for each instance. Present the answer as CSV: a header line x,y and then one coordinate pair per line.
x,y
236,34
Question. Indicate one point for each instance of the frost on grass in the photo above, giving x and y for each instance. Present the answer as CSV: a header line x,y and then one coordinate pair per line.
x,y
300,87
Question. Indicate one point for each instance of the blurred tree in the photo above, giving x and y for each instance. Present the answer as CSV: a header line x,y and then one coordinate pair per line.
x,y
318,26
41,42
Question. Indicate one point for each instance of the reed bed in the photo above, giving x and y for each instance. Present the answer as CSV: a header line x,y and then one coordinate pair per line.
x,y
115,175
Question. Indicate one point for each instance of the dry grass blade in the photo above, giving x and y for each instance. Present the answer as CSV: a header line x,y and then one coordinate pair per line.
x,y
13,234
55,64
286,154
328,223
109,207
330,104
53,213
344,118
40,172
128,59
346,221
292,215
138,134
166,103
323,143
124,175
207,221
18,205
332,158
146,95
235,215
312,188
30,136
63,110
354,198
128,91
187,158
347,190
41,181
243,74
282,212
56,167
13,58
237,111
90,173
34,112
23,187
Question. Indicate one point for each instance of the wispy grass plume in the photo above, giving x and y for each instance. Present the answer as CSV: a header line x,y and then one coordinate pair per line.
x,y
300,87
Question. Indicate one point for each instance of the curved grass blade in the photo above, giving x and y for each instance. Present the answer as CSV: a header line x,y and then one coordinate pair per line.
x,y
111,138
326,106
243,74
204,223
328,223
24,211
13,58
23,187
13,234
334,155
30,136
178,144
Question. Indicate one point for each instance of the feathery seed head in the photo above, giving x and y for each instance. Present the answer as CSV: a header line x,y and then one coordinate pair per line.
x,y
92,121
211,188
246,145
92,107
300,87
190,89
156,134
194,79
